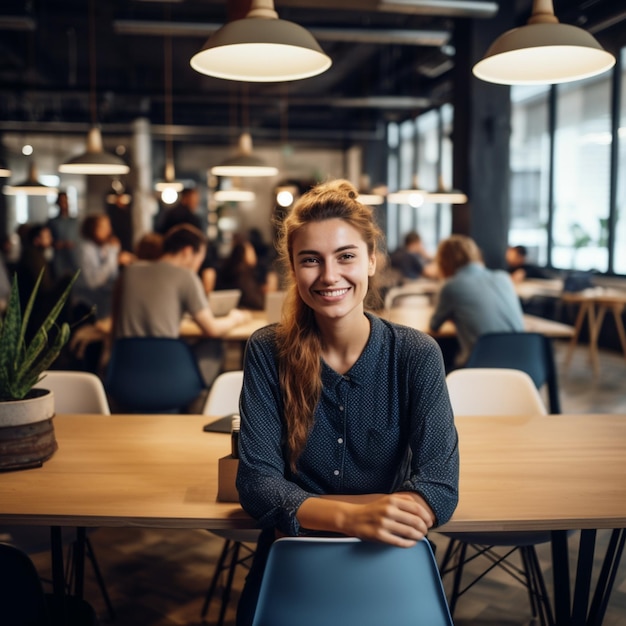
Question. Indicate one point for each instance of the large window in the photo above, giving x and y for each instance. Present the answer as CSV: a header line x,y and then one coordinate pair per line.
x,y
582,161
561,195
530,171
419,151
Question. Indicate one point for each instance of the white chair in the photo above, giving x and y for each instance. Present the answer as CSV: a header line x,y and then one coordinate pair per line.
x,y
493,391
223,400
501,392
412,294
74,392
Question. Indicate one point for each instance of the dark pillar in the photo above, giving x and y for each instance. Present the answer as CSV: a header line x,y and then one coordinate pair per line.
x,y
481,139
375,166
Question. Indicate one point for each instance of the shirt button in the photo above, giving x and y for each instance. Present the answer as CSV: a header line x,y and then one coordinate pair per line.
x,y
346,377
336,472
340,440
341,407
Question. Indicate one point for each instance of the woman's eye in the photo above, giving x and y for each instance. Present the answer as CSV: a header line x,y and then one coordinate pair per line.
x,y
309,261
347,257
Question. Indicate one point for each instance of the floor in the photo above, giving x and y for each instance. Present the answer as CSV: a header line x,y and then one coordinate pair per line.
x,y
159,577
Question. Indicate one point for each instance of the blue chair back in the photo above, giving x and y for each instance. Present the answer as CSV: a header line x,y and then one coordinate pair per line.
x,y
530,352
152,375
345,582
22,598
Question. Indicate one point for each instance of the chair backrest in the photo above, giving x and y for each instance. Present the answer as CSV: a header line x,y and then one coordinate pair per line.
x,y
411,295
223,398
274,305
76,392
530,352
22,598
152,374
341,582
493,391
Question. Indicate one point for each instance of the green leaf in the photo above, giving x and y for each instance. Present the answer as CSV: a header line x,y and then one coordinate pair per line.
x,y
21,365
29,307
9,338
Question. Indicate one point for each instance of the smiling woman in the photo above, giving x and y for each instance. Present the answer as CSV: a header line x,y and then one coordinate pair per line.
x,y
346,425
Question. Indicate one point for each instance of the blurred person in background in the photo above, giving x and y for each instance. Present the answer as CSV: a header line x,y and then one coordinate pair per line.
x,y
5,285
185,212
65,233
149,247
37,255
519,267
152,297
478,300
100,257
238,271
412,260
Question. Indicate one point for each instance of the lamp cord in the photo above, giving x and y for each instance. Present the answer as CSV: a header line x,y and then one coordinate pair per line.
x,y
167,82
92,63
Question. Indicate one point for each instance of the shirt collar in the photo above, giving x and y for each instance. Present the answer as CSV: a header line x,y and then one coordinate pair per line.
x,y
359,372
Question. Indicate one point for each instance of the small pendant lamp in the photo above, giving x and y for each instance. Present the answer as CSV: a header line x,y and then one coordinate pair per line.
x,y
244,163
94,160
31,186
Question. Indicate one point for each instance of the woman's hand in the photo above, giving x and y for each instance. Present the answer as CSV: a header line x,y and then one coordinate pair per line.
x,y
399,519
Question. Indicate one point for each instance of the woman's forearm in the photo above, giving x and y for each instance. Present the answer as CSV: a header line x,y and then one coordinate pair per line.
x,y
399,519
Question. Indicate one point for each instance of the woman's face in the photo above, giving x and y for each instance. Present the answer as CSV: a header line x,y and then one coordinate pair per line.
x,y
102,231
332,267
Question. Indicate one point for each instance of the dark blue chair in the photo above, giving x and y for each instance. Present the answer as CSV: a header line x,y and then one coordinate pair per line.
x,y
23,601
152,375
341,582
530,352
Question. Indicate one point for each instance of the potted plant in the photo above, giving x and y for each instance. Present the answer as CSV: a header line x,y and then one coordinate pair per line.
x,y
26,431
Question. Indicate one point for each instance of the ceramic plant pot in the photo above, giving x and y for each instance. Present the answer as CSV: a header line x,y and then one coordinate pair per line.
x,y
26,431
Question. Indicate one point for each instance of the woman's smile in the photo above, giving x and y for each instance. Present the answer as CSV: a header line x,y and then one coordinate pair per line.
x,y
332,293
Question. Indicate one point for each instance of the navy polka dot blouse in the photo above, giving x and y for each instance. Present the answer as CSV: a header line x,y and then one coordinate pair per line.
x,y
384,426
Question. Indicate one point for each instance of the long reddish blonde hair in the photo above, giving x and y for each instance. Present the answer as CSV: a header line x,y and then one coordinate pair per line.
x,y
298,336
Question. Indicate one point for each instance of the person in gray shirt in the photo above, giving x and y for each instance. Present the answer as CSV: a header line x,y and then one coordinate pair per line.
x,y
478,300
152,298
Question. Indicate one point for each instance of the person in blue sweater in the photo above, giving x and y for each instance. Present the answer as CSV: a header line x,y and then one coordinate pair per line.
x,y
478,300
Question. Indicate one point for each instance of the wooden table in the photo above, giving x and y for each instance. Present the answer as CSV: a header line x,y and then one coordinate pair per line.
x,y
419,318
539,288
555,473
190,330
594,304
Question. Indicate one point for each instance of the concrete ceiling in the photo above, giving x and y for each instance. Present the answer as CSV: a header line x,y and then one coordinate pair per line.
x,y
391,60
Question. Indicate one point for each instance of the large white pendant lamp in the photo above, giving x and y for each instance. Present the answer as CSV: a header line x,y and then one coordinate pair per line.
x,y
94,160
261,48
31,186
543,52
244,163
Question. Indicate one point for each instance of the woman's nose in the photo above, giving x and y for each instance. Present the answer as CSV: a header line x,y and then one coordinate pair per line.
x,y
329,273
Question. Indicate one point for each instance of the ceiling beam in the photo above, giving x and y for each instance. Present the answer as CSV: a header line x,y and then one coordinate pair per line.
x,y
407,37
